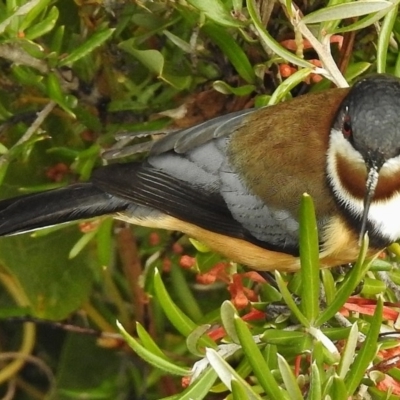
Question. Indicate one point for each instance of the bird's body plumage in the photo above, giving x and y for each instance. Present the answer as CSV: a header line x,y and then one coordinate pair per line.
x,y
234,183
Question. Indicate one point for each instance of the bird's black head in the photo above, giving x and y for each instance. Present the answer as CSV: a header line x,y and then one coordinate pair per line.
x,y
370,118
365,144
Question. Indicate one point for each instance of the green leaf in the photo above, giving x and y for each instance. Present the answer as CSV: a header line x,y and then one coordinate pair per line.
x,y
178,319
151,358
328,284
372,287
54,285
384,38
356,69
155,62
56,94
288,84
44,26
257,361
23,10
177,41
283,337
13,312
81,244
287,296
270,42
85,161
33,49
346,289
198,389
346,10
319,363
226,373
97,39
205,261
38,8
289,379
3,171
199,246
224,88
57,39
349,352
361,23
193,341
104,236
331,352
184,294
149,343
315,392
238,390
309,259
243,369
85,369
232,50
337,388
216,11
26,76
228,314
367,353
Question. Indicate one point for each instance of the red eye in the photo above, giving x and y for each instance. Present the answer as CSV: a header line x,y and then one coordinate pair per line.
x,y
346,126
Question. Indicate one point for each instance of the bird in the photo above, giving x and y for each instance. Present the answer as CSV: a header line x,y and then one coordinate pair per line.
x,y
235,182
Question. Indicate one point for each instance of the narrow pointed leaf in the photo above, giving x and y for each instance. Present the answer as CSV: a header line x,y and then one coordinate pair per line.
x,y
257,361
384,38
367,352
349,352
216,11
178,319
361,23
227,374
315,392
23,10
270,42
81,244
44,26
232,50
238,391
347,287
151,358
228,313
97,39
287,296
346,10
198,389
337,389
148,342
288,84
289,379
193,341
309,259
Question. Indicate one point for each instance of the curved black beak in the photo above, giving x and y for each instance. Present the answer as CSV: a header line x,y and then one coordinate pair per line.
x,y
370,186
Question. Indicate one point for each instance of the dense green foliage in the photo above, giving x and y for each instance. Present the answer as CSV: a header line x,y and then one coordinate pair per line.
x,y
74,75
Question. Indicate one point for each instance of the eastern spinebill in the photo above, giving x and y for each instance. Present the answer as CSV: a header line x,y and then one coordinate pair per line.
x,y
235,182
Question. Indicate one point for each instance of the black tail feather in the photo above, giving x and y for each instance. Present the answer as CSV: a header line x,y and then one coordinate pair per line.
x,y
38,210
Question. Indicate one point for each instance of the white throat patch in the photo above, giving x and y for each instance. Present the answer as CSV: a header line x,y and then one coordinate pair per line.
x,y
384,215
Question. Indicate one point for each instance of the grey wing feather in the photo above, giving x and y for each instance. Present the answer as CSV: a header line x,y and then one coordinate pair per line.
x,y
269,225
228,126
207,167
217,127
197,157
180,141
127,151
